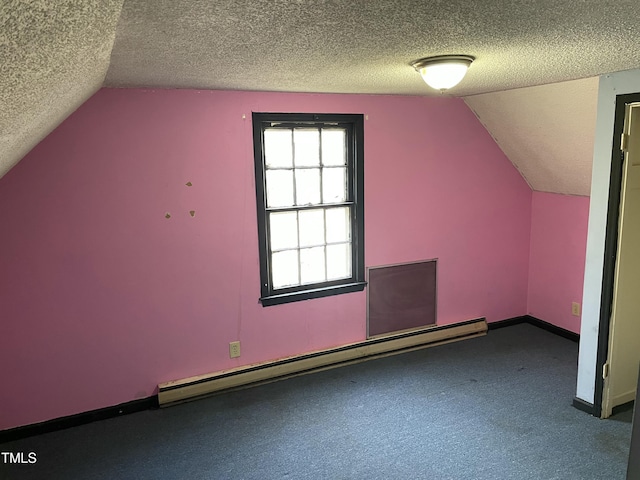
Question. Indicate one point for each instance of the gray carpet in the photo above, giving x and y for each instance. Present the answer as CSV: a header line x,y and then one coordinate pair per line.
x,y
495,407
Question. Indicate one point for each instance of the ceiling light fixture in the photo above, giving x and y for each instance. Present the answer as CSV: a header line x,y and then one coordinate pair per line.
x,y
443,72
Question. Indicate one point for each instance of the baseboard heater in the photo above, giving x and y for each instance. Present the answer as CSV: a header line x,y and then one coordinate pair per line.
x,y
191,388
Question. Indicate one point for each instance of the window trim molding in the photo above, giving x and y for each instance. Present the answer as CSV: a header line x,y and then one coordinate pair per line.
x,y
355,187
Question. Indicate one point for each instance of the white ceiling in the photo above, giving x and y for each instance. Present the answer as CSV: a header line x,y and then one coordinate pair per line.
x,y
54,54
547,131
365,46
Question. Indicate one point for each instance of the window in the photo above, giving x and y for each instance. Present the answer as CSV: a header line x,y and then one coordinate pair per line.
x,y
309,188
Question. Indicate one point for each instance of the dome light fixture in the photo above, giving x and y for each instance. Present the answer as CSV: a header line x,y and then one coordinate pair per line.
x,y
443,72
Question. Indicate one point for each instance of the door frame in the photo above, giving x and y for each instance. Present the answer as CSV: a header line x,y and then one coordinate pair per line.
x,y
610,247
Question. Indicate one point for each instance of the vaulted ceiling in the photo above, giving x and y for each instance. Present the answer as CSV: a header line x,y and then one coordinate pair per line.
x,y
54,55
547,131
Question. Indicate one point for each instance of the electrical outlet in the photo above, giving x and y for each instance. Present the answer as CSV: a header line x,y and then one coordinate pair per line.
x,y
234,349
575,309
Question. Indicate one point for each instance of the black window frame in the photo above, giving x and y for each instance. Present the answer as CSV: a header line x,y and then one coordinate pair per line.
x,y
354,125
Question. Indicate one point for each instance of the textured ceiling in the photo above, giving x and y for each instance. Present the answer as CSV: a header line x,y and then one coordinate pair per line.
x,y
363,46
547,131
54,54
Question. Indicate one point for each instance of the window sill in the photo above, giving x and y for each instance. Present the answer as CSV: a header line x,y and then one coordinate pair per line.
x,y
313,293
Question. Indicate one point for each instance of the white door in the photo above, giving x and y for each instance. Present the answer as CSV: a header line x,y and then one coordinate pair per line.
x,y
624,336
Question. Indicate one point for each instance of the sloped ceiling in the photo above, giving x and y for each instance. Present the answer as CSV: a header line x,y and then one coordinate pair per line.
x,y
58,52
547,131
54,54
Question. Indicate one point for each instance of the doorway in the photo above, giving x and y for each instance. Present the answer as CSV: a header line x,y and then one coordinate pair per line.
x,y
619,338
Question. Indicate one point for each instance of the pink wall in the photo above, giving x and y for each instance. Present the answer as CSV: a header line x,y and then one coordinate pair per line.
x,y
102,297
556,263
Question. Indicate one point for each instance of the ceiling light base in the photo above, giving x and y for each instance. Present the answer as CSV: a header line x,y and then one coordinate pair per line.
x,y
443,72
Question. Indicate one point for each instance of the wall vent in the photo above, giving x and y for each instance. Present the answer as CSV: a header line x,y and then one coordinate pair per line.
x,y
401,297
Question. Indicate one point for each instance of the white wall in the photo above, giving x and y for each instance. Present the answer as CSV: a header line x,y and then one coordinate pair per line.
x,y
613,84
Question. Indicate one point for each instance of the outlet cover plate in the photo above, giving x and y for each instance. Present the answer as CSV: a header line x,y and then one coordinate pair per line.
x,y
234,349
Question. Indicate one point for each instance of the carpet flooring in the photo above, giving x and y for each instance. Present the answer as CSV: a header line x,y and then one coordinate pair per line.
x,y
494,407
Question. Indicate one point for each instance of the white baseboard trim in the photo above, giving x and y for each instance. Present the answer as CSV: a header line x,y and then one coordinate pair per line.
x,y
179,391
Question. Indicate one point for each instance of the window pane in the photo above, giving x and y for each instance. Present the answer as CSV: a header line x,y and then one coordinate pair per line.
x,y
284,268
308,186
312,265
279,188
278,150
338,261
338,225
284,230
311,227
307,147
334,185
333,151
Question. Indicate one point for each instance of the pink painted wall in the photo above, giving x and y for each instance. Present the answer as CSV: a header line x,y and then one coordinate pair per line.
x,y
556,264
102,297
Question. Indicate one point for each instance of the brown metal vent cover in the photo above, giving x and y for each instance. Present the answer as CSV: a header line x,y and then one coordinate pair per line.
x,y
401,297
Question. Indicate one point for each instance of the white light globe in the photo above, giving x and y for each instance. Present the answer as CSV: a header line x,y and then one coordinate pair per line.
x,y
443,76
442,73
